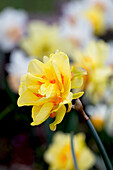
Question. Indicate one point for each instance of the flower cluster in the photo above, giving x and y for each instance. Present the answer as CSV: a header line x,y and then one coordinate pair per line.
x,y
49,79
97,13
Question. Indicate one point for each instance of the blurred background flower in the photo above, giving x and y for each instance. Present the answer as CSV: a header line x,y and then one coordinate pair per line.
x,y
44,39
13,24
93,59
59,156
16,68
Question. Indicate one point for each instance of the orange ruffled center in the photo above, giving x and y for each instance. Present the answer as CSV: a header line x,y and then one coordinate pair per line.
x,y
57,98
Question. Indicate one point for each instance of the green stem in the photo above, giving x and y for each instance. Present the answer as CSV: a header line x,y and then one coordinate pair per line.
x,y
73,153
79,107
100,145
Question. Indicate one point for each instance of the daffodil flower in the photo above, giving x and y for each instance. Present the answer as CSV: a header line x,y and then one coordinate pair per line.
x,y
12,28
93,59
47,87
59,155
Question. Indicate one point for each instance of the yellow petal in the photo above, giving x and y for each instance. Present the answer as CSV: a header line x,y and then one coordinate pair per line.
x,y
52,90
58,74
69,107
36,67
78,71
32,79
22,86
77,95
62,61
59,117
68,98
76,82
34,88
27,98
49,70
40,114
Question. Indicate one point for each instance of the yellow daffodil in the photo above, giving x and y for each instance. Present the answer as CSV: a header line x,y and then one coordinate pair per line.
x,y
44,39
59,155
93,60
96,16
47,87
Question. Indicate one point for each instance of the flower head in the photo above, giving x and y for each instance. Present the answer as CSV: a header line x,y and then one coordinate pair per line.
x,y
59,155
72,24
106,7
12,27
93,59
44,39
72,29
47,87
96,18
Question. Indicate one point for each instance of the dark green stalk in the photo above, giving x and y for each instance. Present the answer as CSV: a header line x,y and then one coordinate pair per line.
x,y
73,153
78,106
100,145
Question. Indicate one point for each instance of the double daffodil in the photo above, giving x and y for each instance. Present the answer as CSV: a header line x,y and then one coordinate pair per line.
x,y
47,87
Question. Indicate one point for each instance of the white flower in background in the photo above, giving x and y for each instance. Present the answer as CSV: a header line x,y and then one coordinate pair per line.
x,y
12,27
79,31
107,7
98,114
73,8
98,12
17,68
73,26
109,122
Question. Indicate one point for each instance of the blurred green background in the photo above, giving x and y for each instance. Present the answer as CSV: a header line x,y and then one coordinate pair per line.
x,y
33,6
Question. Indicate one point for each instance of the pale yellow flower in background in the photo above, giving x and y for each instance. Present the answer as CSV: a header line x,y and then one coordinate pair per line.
x,y
59,156
47,87
93,59
96,17
44,39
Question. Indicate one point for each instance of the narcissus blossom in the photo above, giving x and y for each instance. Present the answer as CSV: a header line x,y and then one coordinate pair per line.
x,y
97,12
43,39
106,7
47,87
12,27
93,59
59,155
96,18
